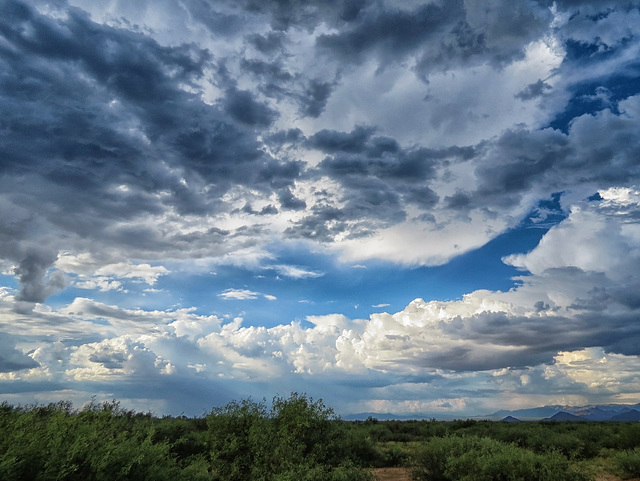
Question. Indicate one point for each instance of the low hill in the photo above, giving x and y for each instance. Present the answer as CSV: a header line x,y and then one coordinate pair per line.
x,y
510,419
565,417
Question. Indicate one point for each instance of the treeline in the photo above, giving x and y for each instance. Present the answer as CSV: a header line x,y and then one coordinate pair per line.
x,y
297,438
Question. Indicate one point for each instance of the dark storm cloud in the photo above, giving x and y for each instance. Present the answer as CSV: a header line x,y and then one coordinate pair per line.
x,y
32,259
11,359
275,81
96,125
325,223
391,34
284,14
290,202
534,90
379,180
457,201
359,153
219,22
269,43
598,4
272,72
31,273
314,98
441,36
121,81
531,340
331,141
278,174
71,71
599,149
518,160
241,106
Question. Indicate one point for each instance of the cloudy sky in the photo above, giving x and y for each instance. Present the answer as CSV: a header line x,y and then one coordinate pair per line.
x,y
417,207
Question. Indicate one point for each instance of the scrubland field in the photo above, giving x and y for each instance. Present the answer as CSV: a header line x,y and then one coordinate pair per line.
x,y
299,439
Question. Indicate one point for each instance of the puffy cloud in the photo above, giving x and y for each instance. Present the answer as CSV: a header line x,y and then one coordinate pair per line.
x,y
172,165
12,359
113,358
92,273
537,337
442,34
141,139
605,373
600,241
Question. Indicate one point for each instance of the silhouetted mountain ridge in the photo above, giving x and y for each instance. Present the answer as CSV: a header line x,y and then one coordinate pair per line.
x,y
601,412
558,412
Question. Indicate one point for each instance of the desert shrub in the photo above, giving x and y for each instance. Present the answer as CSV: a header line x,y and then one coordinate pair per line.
x,y
298,438
360,449
430,462
628,435
471,458
394,455
101,442
628,463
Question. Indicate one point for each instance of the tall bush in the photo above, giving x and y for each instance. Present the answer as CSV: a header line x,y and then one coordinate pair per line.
x,y
298,438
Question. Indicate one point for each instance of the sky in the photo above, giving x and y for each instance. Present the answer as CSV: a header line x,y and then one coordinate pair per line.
x,y
426,208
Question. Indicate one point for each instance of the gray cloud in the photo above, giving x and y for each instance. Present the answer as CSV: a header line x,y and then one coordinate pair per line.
x,y
269,43
314,98
241,106
32,275
97,126
11,359
108,126
288,13
442,36
391,34
379,178
219,22
534,90
289,119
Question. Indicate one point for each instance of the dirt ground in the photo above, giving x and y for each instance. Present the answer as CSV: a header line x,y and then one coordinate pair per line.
x,y
611,477
395,474
401,474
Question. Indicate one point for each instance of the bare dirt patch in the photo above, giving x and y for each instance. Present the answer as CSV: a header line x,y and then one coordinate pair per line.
x,y
392,474
402,474
611,477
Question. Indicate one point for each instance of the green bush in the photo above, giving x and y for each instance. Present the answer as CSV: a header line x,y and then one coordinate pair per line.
x,y
101,442
471,458
628,463
297,439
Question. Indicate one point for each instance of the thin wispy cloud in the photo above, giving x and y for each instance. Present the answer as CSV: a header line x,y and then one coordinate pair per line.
x,y
239,294
296,272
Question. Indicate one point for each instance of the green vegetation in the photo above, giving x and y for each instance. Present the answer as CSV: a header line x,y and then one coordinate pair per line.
x,y
486,450
471,458
297,438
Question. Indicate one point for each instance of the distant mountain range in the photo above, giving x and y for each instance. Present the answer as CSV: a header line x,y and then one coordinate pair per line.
x,y
600,412
383,417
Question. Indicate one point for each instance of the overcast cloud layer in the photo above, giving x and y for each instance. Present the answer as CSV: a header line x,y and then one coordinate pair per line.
x,y
166,167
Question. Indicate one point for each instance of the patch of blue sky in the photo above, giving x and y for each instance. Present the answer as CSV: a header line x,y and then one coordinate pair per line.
x,y
8,281
299,283
266,297
596,94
